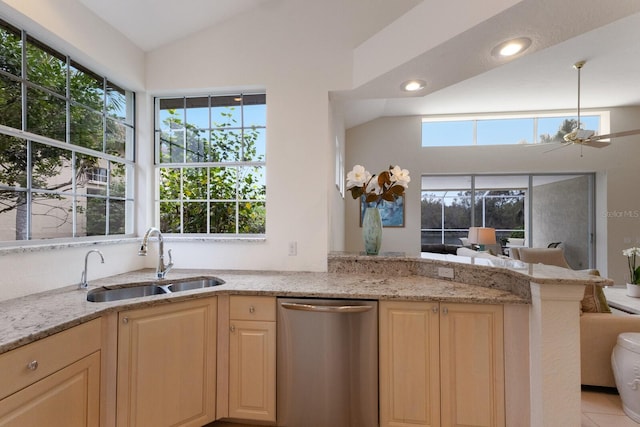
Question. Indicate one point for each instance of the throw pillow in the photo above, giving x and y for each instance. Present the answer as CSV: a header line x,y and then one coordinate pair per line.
x,y
594,300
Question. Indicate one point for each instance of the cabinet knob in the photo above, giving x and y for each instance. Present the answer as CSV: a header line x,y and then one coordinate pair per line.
x,y
252,309
445,310
33,365
434,309
125,320
232,328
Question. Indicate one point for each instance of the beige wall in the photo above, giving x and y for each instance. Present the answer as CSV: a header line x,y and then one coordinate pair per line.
x,y
397,140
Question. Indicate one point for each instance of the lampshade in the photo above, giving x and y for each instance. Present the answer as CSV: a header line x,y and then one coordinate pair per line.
x,y
482,235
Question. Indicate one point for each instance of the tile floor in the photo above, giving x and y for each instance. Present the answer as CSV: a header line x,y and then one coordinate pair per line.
x,y
601,407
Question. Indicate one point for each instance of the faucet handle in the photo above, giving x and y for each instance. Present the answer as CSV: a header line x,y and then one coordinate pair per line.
x,y
162,268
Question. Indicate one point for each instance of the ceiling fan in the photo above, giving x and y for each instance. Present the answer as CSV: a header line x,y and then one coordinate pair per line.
x,y
588,137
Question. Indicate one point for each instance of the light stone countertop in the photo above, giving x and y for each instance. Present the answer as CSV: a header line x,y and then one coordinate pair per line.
x,y
617,298
29,318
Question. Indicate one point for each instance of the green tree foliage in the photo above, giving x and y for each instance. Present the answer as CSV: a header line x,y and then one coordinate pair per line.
x,y
503,209
457,211
566,127
233,194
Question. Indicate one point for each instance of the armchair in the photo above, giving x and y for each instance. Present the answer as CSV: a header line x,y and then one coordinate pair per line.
x,y
549,256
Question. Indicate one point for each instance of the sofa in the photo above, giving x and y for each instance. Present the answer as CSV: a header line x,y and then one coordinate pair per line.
x,y
440,248
599,327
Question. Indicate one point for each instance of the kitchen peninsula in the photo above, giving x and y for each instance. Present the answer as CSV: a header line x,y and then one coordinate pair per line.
x,y
541,328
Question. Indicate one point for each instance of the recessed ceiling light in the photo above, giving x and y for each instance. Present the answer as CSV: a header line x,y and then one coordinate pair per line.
x,y
511,47
413,85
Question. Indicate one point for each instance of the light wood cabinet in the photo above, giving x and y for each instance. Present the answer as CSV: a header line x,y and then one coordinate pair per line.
x,y
54,381
441,365
252,358
166,365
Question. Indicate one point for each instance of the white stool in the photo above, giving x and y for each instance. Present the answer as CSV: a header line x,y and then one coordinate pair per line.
x,y
625,362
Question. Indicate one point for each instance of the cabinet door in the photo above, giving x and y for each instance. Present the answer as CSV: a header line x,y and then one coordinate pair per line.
x,y
68,398
252,373
472,365
166,365
409,364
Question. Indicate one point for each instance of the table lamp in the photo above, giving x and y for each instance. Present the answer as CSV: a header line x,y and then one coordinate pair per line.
x,y
482,236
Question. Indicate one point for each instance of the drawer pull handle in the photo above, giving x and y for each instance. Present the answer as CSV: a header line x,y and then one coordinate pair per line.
x,y
33,365
252,309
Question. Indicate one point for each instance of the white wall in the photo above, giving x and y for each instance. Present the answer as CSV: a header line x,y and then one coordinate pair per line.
x,y
71,28
297,76
397,140
39,269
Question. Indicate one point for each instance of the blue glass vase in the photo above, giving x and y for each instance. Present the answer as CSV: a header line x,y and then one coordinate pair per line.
x,y
372,230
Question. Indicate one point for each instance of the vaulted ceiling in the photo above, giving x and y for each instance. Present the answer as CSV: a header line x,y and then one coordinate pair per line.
x,y
461,75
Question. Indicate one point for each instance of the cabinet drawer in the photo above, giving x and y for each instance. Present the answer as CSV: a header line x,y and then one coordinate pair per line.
x,y
32,362
252,308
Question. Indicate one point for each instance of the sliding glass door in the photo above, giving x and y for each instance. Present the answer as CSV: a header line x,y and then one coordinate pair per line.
x,y
544,210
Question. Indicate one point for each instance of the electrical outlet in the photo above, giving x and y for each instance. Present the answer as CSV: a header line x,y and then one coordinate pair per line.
x,y
445,272
293,248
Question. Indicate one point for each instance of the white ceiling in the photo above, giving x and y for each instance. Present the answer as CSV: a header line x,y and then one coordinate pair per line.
x,y
462,76
154,23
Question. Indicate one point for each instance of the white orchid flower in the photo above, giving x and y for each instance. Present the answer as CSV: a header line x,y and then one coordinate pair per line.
x,y
357,177
631,252
400,176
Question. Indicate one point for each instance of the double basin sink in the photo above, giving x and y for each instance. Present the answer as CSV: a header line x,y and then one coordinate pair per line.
x,y
107,294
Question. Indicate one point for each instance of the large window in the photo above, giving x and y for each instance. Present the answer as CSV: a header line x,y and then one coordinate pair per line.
x,y
210,162
66,145
502,130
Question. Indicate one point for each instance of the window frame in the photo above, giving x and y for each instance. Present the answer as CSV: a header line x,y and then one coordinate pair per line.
x,y
209,166
123,161
602,116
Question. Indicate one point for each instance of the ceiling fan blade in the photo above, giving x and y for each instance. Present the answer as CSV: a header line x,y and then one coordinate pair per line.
x,y
562,145
595,143
614,135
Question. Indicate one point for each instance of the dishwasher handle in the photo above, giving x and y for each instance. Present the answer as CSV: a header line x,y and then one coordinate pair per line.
x,y
326,308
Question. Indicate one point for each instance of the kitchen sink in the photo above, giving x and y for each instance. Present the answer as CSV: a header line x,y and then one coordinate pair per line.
x,y
106,294
114,294
199,283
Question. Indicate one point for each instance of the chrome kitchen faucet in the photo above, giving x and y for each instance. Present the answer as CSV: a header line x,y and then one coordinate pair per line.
x,y
162,269
83,279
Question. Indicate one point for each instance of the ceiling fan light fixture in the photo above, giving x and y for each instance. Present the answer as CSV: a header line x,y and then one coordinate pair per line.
x,y
511,47
413,85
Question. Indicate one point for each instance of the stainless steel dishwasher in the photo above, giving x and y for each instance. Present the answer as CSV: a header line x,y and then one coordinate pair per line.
x,y
327,363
